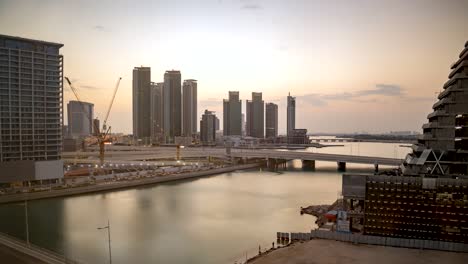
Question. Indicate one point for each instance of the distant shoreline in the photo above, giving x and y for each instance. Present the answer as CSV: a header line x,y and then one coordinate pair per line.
x,y
11,198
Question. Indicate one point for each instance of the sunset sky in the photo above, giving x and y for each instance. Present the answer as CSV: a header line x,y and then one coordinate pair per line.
x,y
353,65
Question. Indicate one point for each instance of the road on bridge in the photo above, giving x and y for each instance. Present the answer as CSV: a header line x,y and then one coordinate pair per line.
x,y
303,155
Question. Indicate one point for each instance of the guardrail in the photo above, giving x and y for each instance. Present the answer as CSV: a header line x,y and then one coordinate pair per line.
x,y
391,241
34,251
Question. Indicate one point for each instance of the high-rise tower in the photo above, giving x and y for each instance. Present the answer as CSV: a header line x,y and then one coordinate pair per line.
x,y
156,115
271,120
208,128
141,102
256,116
232,110
80,118
290,115
172,92
189,108
31,118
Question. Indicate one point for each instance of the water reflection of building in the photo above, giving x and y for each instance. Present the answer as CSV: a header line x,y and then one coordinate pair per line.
x,y
427,197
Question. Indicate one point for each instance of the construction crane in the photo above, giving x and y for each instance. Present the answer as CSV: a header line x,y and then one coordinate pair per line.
x,y
102,136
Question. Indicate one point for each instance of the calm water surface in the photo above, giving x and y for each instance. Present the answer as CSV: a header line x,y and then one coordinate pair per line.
x,y
216,219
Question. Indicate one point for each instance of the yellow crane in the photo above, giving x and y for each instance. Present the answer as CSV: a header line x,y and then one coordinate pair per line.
x,y
102,136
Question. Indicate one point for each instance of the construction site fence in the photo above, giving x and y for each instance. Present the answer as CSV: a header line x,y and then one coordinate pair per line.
x,y
390,241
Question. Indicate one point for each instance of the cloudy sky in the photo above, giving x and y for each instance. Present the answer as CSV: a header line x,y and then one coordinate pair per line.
x,y
371,66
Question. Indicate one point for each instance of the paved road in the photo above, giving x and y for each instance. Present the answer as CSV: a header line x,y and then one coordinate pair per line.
x,y
304,155
11,256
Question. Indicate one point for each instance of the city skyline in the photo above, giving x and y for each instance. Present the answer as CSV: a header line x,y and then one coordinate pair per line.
x,y
346,63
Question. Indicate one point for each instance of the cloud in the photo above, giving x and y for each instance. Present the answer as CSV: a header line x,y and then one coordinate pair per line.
x,y
386,90
382,89
283,48
251,7
100,28
313,99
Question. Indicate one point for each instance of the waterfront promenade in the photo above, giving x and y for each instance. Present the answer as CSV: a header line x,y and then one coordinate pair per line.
x,y
106,186
330,251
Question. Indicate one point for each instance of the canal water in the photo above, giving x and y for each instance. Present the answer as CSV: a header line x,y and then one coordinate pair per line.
x,y
216,219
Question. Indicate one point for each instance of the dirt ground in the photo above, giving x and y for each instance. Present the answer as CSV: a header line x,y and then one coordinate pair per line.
x,y
320,251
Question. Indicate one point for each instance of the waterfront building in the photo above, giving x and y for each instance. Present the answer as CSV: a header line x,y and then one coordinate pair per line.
x,y
290,114
31,117
271,120
298,136
232,110
208,128
427,197
189,107
80,118
172,108
141,102
256,116
156,114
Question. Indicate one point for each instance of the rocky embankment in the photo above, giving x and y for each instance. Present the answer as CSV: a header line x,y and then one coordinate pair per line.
x,y
319,211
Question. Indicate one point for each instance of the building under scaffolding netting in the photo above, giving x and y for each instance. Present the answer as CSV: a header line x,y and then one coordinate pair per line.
x,y
427,197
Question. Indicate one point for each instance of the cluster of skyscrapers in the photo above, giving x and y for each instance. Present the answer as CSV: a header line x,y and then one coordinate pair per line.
x,y
262,120
163,111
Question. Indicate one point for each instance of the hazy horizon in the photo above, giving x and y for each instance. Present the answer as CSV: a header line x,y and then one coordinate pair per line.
x,y
371,66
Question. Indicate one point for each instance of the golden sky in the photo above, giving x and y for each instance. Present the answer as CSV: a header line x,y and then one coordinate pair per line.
x,y
353,65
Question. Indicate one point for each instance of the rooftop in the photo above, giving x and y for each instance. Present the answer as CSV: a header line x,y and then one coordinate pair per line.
x,y
31,40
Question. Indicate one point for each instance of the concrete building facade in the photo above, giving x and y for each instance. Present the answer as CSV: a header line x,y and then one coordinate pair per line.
x,y
31,105
141,102
208,128
189,108
217,123
96,126
80,118
172,113
256,116
157,107
232,111
271,120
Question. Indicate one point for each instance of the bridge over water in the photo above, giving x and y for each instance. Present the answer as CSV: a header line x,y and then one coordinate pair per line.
x,y
273,156
309,158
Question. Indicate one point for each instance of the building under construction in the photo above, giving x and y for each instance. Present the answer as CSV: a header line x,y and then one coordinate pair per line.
x,y
427,197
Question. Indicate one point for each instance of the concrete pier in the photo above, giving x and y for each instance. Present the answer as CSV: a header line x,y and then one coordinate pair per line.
x,y
308,164
275,164
341,166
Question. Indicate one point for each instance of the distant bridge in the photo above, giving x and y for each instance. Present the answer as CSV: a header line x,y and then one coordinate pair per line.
x,y
309,158
275,156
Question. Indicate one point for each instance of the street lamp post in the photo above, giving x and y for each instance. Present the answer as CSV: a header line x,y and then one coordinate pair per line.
x,y
26,220
109,239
